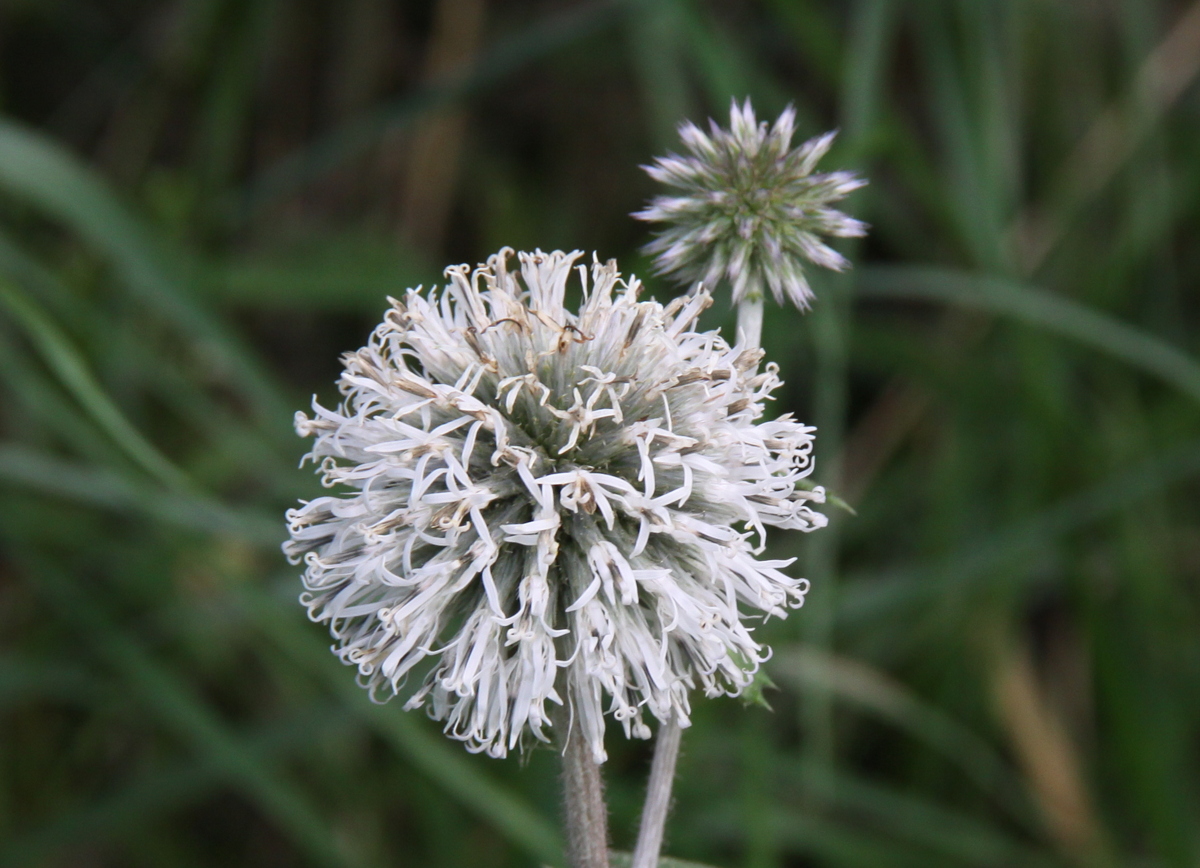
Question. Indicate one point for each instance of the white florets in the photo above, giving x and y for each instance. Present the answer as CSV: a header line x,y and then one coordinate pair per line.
x,y
543,507
749,208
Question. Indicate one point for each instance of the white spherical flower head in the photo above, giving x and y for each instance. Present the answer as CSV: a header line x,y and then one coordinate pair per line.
x,y
541,507
749,208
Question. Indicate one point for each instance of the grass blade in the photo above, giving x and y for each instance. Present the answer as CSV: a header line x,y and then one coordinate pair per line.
x,y
916,820
107,489
441,762
72,371
806,668
153,794
21,679
864,599
1037,308
41,171
181,711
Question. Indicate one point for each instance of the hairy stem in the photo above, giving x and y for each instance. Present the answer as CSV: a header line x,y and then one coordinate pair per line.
x,y
658,796
583,801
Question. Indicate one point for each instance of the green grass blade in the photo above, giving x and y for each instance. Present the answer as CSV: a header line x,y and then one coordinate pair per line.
x,y
814,31
863,76
442,762
653,34
30,274
72,371
106,489
806,668
41,171
1037,308
864,599
49,411
181,711
143,367
916,820
22,679
975,215
729,70
151,795
835,842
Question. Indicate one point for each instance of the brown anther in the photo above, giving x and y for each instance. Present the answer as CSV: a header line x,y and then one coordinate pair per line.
x,y
416,388
675,306
634,328
472,338
580,337
748,359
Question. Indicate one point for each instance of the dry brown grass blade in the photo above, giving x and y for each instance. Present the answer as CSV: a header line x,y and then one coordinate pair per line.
x,y
879,434
432,170
1112,139
1047,755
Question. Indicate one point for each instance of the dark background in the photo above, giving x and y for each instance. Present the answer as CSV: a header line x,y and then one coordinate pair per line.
x,y
204,202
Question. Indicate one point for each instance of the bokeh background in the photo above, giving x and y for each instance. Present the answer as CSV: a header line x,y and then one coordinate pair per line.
x,y
204,202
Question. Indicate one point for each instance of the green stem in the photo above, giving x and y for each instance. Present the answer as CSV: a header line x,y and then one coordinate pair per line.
x,y
583,803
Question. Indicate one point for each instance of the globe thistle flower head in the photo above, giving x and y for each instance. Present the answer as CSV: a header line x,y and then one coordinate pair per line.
x,y
537,507
749,208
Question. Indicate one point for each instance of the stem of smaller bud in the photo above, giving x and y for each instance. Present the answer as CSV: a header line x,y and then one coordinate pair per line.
x,y
658,796
750,317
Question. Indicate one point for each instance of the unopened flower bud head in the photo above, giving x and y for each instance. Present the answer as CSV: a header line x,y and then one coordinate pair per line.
x,y
537,507
747,207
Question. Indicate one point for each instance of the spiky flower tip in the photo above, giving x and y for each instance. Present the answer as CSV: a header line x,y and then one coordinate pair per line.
x,y
540,507
749,208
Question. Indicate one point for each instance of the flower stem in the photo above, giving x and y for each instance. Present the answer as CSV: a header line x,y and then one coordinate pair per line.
x,y
750,317
586,812
658,796
670,734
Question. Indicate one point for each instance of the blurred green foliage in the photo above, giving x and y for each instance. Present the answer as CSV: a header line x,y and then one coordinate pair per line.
x,y
204,202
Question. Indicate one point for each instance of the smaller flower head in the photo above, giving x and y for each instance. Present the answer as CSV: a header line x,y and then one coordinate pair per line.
x,y
749,207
